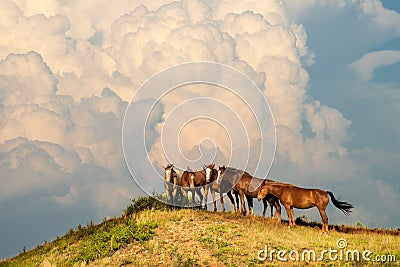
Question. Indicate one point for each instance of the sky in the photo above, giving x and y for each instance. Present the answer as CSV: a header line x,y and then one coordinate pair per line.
x,y
324,73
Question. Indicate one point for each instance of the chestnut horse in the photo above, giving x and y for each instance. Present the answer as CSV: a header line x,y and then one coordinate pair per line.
x,y
195,181
242,183
302,198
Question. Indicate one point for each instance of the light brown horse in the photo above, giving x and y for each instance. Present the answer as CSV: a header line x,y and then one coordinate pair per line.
x,y
240,182
301,198
172,180
195,181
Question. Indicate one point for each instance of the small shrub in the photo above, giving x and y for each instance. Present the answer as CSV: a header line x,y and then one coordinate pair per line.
x,y
145,203
358,224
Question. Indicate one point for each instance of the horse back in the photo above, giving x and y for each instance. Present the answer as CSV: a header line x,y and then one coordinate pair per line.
x,y
300,197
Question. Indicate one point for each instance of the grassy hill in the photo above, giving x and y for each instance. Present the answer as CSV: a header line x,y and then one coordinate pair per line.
x,y
165,237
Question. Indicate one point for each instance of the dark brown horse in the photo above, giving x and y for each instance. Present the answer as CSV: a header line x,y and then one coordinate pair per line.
x,y
243,184
301,198
195,181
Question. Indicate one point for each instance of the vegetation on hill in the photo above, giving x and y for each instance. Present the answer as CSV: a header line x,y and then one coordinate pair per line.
x,y
151,233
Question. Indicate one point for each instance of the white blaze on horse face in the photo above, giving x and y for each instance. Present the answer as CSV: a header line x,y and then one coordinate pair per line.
x,y
219,177
168,174
208,174
191,180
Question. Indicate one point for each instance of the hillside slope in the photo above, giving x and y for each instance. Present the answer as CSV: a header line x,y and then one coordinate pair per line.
x,y
203,238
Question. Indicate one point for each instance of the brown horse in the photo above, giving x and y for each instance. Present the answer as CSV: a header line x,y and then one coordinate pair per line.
x,y
220,188
301,198
241,185
195,181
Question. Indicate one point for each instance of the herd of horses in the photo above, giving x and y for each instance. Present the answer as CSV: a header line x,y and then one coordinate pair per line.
x,y
231,181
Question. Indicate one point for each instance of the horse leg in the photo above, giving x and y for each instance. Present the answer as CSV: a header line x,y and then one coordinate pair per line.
x,y
193,195
278,210
213,197
292,216
324,218
237,201
201,197
168,194
271,204
250,204
174,193
231,199
167,191
289,213
242,203
205,196
185,195
265,205
221,199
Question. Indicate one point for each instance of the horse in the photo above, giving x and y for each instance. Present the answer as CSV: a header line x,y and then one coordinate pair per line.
x,y
194,181
225,188
302,198
172,181
242,183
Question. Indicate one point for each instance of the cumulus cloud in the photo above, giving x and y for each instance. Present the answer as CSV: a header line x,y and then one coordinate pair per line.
x,y
69,69
49,139
61,84
368,63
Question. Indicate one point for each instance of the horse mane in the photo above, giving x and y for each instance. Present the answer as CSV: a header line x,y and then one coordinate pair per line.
x,y
272,182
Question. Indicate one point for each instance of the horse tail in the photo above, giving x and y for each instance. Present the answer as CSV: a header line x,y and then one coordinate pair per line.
x,y
345,207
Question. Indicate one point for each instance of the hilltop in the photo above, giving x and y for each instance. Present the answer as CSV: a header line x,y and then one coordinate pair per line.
x,y
161,236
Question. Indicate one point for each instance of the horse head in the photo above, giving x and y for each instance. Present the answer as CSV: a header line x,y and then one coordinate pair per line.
x,y
221,170
209,171
264,190
169,170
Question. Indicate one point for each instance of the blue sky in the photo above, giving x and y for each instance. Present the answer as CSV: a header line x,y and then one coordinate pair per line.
x,y
68,70
343,95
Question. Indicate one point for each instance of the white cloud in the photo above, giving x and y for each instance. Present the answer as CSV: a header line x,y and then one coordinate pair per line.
x,y
384,17
34,168
49,140
68,69
61,83
369,62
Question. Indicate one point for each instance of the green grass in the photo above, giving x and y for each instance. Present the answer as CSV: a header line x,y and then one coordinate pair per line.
x,y
185,237
87,244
